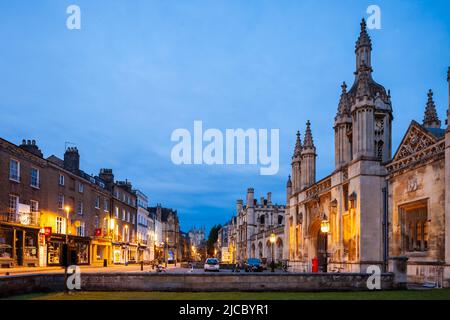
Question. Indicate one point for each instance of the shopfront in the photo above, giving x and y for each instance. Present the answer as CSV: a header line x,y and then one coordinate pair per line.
x,y
78,246
120,253
132,253
19,246
100,251
124,253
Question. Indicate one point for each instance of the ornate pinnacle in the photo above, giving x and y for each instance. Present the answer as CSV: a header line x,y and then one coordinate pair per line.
x,y
289,182
298,145
344,106
364,39
308,142
431,119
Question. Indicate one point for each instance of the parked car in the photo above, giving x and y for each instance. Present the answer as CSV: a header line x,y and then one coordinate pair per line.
x,y
211,264
253,265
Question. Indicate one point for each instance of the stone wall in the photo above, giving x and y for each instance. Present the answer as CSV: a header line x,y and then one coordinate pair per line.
x,y
21,284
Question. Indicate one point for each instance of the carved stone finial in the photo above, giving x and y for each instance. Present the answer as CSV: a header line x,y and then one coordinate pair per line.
x,y
363,39
431,119
298,145
308,142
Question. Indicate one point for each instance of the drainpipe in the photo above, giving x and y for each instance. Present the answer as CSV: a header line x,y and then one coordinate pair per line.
x,y
385,227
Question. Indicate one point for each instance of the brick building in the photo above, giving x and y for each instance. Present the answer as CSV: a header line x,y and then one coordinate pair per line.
x,y
45,202
22,170
123,215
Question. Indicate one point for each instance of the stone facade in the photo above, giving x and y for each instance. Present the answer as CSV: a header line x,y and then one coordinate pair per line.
x,y
249,231
373,205
170,247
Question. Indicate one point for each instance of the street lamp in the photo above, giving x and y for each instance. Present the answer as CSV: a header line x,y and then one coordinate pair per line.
x,y
325,225
166,251
273,237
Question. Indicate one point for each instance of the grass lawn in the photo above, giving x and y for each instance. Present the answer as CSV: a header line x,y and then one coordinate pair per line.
x,y
440,294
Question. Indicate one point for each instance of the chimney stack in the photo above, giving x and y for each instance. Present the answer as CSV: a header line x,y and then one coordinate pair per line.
x,y
30,146
108,177
72,160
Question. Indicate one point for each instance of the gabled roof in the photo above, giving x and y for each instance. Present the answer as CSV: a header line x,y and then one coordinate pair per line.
x,y
416,139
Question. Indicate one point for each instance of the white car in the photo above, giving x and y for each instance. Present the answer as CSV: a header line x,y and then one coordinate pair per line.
x,y
211,264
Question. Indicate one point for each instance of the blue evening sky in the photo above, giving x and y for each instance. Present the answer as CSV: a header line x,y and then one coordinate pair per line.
x,y
137,70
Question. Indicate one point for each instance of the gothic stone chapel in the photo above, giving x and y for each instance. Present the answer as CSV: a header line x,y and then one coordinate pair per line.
x,y
374,205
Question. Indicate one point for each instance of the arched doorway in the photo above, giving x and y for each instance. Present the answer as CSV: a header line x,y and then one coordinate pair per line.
x,y
253,251
318,245
260,250
322,240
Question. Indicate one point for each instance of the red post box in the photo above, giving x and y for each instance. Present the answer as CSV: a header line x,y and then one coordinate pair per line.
x,y
315,264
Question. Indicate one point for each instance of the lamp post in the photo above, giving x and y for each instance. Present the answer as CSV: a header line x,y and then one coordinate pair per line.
x,y
325,228
325,225
166,251
66,262
193,253
272,241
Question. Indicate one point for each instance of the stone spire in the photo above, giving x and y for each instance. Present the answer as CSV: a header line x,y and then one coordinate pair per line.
x,y
298,145
431,119
363,39
363,48
308,142
296,164
344,103
289,182
308,164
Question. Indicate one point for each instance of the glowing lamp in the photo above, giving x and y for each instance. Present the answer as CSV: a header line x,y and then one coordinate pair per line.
x,y
273,238
325,226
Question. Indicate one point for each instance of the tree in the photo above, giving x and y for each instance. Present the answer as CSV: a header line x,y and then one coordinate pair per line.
x,y
212,239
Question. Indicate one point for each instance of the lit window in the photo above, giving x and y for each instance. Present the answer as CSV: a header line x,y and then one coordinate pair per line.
x,y
14,170
34,206
417,233
60,225
81,229
13,203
